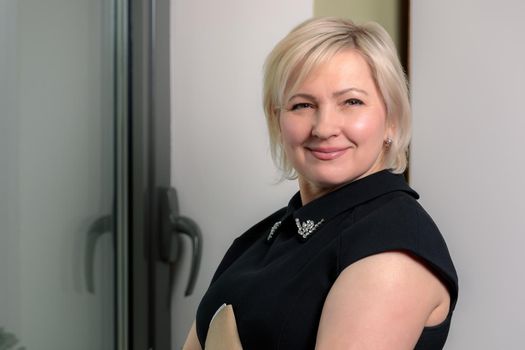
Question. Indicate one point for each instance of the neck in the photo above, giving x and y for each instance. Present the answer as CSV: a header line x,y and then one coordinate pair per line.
x,y
309,191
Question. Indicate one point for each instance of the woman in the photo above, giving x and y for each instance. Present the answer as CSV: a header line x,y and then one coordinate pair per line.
x,y
353,261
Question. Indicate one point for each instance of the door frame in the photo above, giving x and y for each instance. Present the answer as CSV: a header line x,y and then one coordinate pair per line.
x,y
150,167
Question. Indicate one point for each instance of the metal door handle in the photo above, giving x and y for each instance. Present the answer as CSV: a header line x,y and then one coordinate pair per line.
x,y
100,226
173,225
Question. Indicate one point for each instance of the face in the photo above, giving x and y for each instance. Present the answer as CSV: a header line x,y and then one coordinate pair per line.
x,y
333,126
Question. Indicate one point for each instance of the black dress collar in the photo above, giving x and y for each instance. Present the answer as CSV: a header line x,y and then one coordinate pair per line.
x,y
344,198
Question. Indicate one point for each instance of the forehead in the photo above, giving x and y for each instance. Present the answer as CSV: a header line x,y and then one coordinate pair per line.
x,y
345,63
343,69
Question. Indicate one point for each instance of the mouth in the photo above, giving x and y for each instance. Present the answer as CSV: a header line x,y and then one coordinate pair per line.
x,y
327,153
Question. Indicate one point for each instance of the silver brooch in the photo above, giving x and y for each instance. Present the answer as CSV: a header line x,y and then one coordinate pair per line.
x,y
306,228
273,229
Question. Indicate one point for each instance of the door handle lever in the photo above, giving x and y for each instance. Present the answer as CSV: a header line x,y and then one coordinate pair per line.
x,y
99,227
174,225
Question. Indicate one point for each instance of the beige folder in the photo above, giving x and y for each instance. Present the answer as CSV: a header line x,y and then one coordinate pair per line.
x,y
222,333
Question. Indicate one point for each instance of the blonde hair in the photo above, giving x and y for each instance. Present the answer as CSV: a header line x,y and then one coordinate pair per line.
x,y
314,42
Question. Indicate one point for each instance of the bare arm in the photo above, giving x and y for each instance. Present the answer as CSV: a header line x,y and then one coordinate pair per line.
x,y
381,302
192,342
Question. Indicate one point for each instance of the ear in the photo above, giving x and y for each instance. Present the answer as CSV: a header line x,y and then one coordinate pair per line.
x,y
390,130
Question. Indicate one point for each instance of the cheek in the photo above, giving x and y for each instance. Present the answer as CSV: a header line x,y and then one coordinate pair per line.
x,y
368,130
293,132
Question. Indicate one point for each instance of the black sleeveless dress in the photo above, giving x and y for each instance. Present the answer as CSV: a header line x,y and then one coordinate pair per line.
x,y
277,279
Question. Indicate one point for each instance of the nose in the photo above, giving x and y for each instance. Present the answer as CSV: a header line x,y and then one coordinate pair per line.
x,y
327,123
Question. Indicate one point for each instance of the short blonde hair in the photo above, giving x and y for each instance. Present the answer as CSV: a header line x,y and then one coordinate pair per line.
x,y
312,43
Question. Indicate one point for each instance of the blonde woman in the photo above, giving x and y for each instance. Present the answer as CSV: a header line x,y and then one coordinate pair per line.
x,y
353,261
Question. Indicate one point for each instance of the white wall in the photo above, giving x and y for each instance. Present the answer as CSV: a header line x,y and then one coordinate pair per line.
x,y
468,74
221,164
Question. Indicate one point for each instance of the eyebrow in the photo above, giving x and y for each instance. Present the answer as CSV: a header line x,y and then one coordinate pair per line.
x,y
344,91
335,94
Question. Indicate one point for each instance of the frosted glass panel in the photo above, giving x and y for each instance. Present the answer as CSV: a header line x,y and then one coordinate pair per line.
x,y
56,175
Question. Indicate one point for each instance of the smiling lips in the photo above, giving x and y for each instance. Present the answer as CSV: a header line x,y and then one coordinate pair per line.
x,y
327,153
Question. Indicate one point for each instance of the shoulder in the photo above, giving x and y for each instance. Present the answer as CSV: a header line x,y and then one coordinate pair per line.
x,y
262,226
397,207
395,219
241,243
397,222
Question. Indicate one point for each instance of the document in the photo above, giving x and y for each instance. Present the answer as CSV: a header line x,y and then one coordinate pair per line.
x,y
222,333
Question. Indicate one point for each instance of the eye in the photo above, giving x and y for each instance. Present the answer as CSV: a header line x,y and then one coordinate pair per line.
x,y
353,102
301,105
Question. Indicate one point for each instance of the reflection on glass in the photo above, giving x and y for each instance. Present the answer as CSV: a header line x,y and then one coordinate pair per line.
x,y
56,174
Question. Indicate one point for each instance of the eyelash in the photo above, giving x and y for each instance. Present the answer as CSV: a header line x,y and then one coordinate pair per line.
x,y
353,102
301,105
348,102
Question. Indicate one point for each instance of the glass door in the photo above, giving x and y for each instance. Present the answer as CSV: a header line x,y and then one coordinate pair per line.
x,y
63,174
